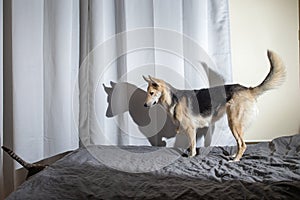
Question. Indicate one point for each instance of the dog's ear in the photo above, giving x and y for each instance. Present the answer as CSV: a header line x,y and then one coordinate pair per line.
x,y
153,81
146,79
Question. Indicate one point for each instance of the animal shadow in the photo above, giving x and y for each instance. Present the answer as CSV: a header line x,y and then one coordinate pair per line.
x,y
124,96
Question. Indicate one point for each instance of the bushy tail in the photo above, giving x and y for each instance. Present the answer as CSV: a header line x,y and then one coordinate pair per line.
x,y
25,164
275,77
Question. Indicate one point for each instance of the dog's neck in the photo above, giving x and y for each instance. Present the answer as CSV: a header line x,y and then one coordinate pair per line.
x,y
169,98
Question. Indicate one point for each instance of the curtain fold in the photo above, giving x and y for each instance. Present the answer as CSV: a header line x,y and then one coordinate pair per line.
x,y
1,101
61,62
8,167
74,68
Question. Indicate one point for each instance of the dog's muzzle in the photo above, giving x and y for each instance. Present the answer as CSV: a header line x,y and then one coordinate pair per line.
x,y
146,105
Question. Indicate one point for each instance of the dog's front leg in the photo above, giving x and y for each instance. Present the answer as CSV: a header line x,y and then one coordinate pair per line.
x,y
177,126
191,133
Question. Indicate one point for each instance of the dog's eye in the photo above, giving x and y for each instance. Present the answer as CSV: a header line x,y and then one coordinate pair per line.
x,y
151,93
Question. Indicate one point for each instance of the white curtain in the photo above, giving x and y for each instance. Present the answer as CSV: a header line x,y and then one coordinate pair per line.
x,y
183,42
41,61
49,44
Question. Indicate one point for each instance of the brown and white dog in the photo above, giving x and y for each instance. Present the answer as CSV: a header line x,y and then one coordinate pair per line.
x,y
193,109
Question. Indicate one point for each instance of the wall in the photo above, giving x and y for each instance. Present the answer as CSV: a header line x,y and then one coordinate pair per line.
x,y
258,25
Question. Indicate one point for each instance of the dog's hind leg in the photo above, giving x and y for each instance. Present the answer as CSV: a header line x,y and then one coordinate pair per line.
x,y
234,121
241,145
241,110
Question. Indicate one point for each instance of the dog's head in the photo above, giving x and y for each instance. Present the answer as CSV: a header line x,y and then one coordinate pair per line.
x,y
154,91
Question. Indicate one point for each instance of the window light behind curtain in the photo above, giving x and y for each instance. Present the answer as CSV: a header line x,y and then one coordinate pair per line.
x,y
48,44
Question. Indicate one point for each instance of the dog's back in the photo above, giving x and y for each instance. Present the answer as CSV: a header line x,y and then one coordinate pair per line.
x,y
208,101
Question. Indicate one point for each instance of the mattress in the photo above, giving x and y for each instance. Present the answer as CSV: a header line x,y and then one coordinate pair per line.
x,y
268,170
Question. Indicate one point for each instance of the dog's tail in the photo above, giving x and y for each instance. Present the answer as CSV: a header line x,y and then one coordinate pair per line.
x,y
275,77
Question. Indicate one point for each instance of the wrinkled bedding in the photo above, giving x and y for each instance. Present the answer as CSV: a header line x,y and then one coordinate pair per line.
x,y
269,170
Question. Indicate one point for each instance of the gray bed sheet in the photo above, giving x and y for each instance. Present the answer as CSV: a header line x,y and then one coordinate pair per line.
x,y
266,171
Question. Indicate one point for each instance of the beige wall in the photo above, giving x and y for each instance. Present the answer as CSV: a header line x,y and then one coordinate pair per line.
x,y
258,25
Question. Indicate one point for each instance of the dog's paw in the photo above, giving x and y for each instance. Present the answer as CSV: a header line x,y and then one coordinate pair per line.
x,y
234,160
192,153
233,156
185,155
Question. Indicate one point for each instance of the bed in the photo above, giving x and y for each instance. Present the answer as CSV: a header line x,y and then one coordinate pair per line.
x,y
268,170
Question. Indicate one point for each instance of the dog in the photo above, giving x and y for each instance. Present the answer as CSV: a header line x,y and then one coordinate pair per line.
x,y
193,109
